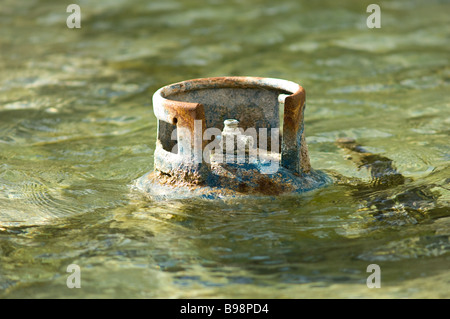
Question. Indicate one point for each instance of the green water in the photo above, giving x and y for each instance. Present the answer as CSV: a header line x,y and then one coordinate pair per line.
x,y
77,128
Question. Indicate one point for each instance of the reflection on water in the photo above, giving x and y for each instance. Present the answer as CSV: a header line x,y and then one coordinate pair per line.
x,y
77,127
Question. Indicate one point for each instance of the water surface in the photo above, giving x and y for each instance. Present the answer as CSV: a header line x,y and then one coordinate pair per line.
x,y
77,128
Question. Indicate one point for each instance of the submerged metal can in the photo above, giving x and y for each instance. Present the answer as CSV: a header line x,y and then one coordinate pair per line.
x,y
214,136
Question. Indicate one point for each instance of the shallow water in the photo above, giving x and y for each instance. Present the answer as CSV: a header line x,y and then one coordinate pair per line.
x,y
77,128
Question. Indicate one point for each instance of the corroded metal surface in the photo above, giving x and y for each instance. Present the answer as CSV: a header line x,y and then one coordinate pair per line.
x,y
231,180
184,163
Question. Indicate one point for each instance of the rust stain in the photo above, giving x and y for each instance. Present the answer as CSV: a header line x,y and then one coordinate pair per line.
x,y
267,186
293,112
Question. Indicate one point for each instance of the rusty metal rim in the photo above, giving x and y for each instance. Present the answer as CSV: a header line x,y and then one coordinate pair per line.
x,y
294,154
162,96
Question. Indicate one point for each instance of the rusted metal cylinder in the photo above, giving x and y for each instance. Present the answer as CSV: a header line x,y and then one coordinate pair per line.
x,y
191,116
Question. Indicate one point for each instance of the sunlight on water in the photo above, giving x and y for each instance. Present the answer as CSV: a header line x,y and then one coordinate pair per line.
x,y
77,128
